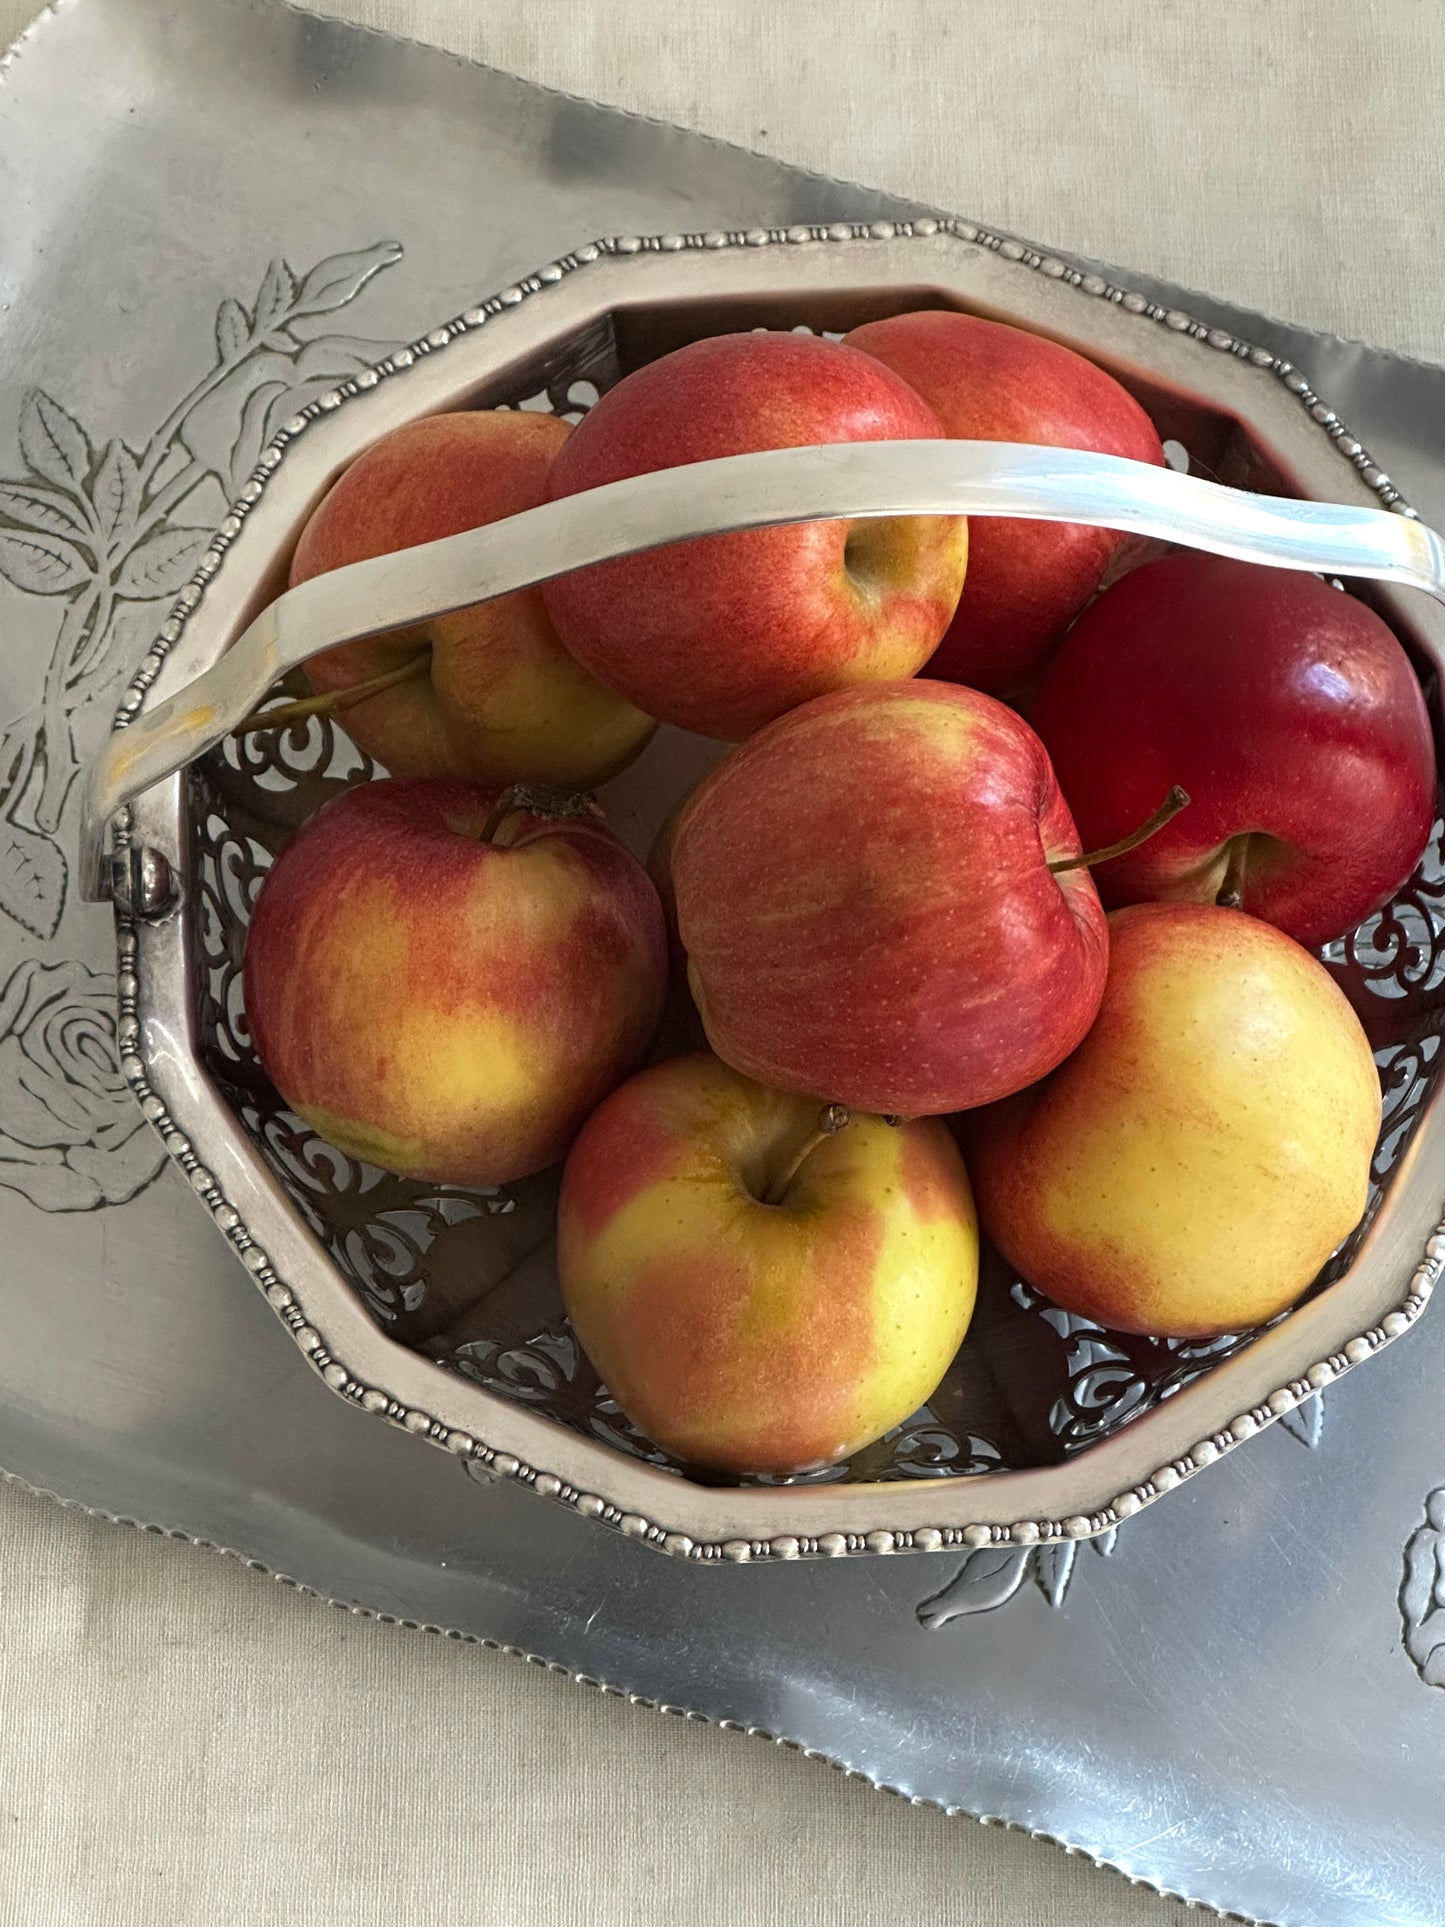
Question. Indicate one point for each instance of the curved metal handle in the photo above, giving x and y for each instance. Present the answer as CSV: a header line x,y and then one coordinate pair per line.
x,y
847,481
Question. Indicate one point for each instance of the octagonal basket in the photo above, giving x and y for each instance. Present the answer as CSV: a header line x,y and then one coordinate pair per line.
x,y
437,1308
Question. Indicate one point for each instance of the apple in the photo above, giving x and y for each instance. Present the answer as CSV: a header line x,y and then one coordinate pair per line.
x,y
865,897
760,1290
723,634
444,980
989,382
1195,1162
494,697
1288,711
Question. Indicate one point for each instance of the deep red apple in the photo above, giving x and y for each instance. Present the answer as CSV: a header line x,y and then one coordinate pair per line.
x,y
865,898
722,635
1288,711
989,382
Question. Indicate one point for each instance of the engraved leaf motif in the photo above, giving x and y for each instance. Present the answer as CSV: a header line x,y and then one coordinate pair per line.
x,y
1305,1421
338,279
42,564
274,296
1422,1593
32,879
233,328
53,441
162,564
253,434
986,1580
116,494
209,431
36,507
1054,1568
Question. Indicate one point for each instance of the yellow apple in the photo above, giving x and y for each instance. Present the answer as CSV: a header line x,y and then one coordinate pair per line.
x,y
1194,1163
758,1294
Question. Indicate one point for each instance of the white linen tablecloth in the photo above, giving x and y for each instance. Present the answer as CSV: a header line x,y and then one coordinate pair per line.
x,y
157,1763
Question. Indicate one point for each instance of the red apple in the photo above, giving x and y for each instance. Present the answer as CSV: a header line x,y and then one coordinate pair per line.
x,y
760,1295
865,898
721,635
1288,711
445,982
497,697
989,382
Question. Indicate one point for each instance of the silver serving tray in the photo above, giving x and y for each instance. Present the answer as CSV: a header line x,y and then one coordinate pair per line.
x,y
1175,1709
437,1310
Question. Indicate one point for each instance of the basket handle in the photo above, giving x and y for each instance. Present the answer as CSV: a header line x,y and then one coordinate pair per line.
x,y
846,481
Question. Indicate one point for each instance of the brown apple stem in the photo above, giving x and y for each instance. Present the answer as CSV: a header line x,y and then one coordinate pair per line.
x,y
1231,891
1173,803
832,1119
538,799
332,701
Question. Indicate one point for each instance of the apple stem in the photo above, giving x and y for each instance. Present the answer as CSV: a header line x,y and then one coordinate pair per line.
x,y
332,701
832,1119
538,799
1231,891
1173,803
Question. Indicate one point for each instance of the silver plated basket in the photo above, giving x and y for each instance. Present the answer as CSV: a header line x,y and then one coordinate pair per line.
x,y
437,1309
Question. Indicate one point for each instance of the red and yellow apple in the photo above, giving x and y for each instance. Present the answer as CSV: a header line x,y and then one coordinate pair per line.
x,y
444,981
495,697
759,1295
721,635
989,382
865,897
1288,711
1191,1167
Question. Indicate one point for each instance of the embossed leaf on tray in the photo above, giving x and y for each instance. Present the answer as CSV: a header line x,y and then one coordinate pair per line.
x,y
1053,1569
53,441
42,564
335,281
1305,1421
210,431
232,328
253,434
987,1579
162,564
274,296
33,506
32,879
1422,1593
116,494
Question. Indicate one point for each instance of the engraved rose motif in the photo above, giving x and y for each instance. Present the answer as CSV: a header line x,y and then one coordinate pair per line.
x,y
71,1137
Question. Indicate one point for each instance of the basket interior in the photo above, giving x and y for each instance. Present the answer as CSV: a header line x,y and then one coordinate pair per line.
x,y
468,1278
